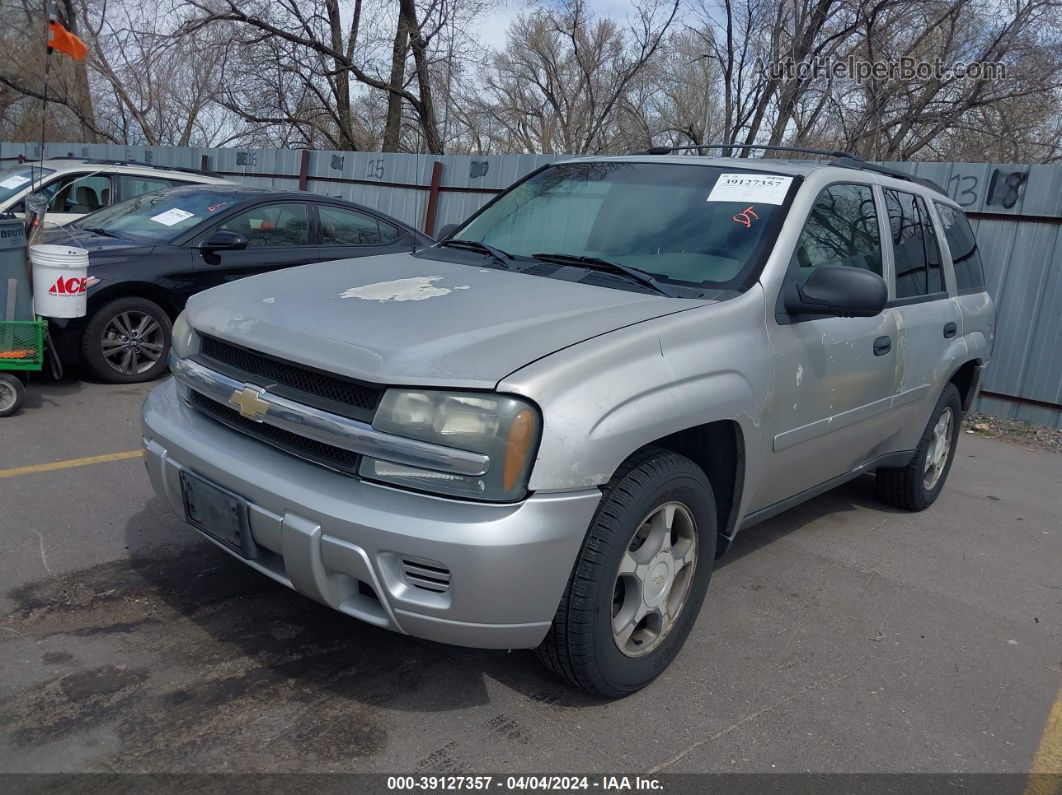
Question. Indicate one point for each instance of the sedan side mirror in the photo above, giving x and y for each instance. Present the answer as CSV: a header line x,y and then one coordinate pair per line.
x,y
221,240
838,291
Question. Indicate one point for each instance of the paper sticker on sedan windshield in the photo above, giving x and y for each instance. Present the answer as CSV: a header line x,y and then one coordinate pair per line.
x,y
14,181
750,188
172,217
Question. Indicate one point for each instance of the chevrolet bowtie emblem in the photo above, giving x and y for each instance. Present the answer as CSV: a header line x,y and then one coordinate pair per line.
x,y
249,401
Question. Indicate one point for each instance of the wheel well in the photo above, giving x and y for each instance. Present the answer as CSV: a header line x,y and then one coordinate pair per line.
x,y
718,448
139,290
964,381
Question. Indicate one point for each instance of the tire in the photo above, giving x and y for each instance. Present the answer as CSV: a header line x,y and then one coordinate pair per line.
x,y
916,486
127,341
12,393
581,645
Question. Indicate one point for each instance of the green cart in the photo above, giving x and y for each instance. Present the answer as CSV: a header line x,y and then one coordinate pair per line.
x,y
21,352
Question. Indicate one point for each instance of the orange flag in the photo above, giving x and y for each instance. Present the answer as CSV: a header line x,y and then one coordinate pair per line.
x,y
59,38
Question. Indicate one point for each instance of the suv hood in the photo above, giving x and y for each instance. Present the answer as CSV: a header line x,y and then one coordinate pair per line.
x,y
400,319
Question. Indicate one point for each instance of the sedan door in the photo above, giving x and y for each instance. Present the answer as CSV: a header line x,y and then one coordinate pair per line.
x,y
346,232
278,236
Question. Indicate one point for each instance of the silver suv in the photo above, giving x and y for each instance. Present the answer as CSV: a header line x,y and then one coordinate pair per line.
x,y
543,431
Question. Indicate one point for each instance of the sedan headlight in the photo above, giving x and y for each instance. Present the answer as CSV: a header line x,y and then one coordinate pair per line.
x,y
184,338
504,428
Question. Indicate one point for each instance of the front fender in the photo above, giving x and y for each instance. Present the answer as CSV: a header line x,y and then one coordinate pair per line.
x,y
605,398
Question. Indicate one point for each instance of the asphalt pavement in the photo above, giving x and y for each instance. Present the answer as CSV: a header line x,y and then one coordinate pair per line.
x,y
842,636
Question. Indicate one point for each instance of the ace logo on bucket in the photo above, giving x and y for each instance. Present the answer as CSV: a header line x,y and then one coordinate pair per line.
x,y
70,286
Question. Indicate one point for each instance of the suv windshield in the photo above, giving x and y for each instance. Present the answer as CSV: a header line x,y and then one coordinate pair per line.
x,y
16,180
159,217
698,225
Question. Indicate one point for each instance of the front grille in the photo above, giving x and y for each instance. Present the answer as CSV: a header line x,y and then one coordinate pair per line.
x,y
310,449
302,384
425,575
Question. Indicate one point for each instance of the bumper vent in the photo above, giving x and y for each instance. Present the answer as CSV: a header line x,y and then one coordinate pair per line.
x,y
302,384
426,575
318,452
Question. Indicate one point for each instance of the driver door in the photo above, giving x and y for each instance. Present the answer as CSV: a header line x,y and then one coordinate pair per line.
x,y
278,236
833,378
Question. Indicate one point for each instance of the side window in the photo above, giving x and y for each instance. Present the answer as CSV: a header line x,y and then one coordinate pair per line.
x,y
914,244
969,274
842,229
133,185
272,225
78,193
342,227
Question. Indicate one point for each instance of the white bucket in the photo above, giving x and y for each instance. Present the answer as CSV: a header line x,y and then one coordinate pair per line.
x,y
60,276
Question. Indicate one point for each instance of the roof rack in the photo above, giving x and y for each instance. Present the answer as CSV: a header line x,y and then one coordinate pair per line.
x,y
100,161
842,159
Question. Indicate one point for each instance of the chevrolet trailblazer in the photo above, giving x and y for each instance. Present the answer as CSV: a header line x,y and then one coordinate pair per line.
x,y
544,430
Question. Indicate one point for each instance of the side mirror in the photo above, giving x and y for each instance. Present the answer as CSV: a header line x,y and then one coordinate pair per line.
x,y
221,240
446,231
838,291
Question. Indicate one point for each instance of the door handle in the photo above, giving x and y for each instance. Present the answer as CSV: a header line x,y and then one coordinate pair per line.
x,y
882,345
950,330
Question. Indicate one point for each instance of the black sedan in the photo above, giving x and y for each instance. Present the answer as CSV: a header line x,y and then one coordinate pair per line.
x,y
149,254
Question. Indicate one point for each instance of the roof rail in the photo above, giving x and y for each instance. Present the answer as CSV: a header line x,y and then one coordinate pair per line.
x,y
101,161
667,150
842,159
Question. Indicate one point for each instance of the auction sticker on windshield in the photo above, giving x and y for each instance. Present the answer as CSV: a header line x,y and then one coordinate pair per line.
x,y
172,217
14,181
749,188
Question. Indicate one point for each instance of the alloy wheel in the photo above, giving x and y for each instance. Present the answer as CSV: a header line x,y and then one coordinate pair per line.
x,y
132,342
654,579
939,447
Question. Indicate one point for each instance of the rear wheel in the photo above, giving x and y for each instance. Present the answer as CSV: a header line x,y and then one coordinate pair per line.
x,y
640,578
11,394
127,341
917,485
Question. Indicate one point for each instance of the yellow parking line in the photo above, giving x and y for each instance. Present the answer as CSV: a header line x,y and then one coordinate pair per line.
x,y
70,463
1047,764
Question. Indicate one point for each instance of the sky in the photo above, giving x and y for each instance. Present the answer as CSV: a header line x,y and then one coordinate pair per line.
x,y
491,32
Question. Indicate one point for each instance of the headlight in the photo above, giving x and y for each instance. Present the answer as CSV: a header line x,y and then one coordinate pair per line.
x,y
502,427
184,338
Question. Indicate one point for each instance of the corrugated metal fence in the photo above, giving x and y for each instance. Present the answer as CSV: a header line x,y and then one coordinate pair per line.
x,y
1016,209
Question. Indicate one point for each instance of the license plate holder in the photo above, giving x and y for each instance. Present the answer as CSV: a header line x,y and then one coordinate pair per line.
x,y
218,513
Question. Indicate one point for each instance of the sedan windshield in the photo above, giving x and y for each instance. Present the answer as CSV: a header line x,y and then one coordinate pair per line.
x,y
16,180
696,225
159,217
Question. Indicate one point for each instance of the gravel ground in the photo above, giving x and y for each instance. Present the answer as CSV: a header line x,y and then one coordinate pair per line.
x,y
1035,437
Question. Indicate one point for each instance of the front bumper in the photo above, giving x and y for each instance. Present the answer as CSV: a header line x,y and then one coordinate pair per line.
x,y
344,542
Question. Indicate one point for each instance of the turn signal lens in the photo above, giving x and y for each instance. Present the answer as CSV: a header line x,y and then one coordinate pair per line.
x,y
517,446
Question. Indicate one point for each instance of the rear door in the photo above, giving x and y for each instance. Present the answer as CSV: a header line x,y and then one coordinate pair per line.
x,y
278,235
349,233
833,378
929,316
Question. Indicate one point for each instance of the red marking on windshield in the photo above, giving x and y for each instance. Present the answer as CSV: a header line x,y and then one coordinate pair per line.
x,y
746,216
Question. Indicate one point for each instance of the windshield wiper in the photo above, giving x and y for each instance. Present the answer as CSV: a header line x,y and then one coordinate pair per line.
x,y
607,266
98,231
503,258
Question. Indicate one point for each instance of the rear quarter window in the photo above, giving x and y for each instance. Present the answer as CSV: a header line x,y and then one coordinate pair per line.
x,y
959,235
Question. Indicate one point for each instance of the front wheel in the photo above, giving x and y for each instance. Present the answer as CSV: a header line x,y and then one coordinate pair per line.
x,y
127,341
640,578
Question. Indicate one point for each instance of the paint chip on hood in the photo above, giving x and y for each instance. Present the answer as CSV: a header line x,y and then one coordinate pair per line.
x,y
417,288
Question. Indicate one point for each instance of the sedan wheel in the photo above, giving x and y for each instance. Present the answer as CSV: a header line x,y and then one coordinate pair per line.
x,y
127,341
133,343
